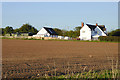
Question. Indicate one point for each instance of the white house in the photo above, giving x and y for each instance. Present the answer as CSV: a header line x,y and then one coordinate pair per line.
x,y
67,38
46,32
92,32
60,37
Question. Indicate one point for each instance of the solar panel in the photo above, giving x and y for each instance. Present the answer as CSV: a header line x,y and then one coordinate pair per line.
x,y
50,31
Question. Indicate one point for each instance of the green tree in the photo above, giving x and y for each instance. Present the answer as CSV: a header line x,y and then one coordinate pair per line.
x,y
77,28
114,33
77,31
72,33
58,31
16,30
64,32
8,30
26,28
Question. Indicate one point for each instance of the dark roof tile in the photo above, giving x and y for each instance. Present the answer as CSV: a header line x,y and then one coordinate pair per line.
x,y
92,27
50,31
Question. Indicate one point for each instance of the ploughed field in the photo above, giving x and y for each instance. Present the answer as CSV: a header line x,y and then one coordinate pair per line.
x,y
37,58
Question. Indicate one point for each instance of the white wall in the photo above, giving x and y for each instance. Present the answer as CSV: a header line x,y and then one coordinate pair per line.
x,y
85,33
43,33
61,37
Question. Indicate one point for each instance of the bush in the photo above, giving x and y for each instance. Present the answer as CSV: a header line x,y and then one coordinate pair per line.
x,y
110,38
114,33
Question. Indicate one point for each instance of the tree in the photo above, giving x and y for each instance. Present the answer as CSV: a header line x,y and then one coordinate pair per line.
x,y
58,31
16,30
72,33
77,28
114,33
26,28
8,30
77,31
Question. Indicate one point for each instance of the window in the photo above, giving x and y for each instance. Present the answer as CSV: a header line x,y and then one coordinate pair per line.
x,y
83,31
95,32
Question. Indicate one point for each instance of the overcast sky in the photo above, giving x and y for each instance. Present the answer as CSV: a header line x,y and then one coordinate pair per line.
x,y
63,15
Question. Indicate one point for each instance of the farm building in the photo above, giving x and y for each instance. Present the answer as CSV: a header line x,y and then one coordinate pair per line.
x,y
23,34
60,37
18,34
46,32
92,32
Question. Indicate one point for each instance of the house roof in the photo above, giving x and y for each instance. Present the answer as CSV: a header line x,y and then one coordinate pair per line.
x,y
102,27
50,31
92,27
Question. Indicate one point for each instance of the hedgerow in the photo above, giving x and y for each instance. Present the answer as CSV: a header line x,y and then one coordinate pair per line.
x,y
110,38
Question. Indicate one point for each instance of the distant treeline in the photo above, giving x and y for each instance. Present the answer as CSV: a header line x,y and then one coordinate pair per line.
x,y
72,33
26,28
114,33
113,36
110,38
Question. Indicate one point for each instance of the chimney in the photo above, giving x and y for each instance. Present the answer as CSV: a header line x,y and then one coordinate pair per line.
x,y
82,24
96,24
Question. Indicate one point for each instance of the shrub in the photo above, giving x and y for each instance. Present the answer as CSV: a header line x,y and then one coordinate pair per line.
x,y
114,33
110,38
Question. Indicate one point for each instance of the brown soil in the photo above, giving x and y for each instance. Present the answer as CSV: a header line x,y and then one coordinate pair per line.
x,y
28,58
